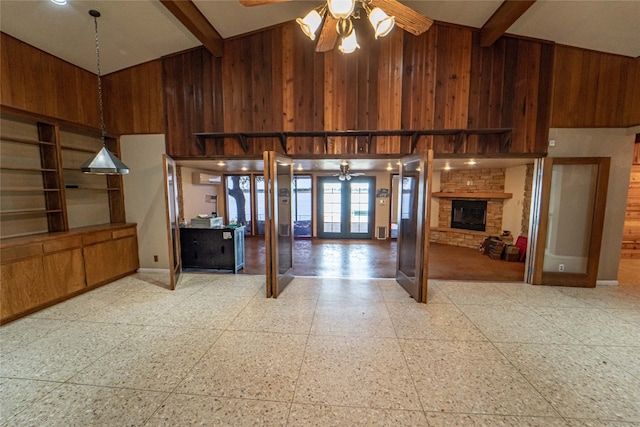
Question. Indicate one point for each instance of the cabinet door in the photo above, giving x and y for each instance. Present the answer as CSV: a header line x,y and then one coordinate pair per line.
x,y
110,260
22,287
64,271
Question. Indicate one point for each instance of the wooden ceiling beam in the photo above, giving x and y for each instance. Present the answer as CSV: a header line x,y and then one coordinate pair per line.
x,y
191,17
503,18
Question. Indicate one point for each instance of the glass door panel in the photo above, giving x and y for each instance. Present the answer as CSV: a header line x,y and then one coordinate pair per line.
x,y
302,205
238,189
569,232
260,207
331,214
571,203
395,192
345,208
359,218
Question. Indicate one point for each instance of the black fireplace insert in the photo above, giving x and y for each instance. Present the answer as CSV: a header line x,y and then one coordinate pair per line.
x,y
469,214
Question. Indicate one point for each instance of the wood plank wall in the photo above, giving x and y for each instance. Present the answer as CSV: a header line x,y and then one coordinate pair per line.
x,y
133,100
443,79
273,80
595,89
36,82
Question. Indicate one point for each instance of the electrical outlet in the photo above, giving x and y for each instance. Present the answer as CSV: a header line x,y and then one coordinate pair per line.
x,y
560,267
155,258
552,143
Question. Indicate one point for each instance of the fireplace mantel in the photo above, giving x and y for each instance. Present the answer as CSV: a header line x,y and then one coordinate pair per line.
x,y
483,195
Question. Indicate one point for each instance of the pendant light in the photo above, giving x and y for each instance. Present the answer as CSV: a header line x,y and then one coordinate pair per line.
x,y
103,162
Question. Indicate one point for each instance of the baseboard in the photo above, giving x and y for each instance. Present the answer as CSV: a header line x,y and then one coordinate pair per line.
x,y
153,270
607,283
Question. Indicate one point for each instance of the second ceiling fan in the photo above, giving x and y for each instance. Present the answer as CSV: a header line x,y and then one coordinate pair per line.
x,y
335,19
345,174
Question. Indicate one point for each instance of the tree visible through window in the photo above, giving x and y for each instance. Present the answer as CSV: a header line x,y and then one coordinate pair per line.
x,y
239,200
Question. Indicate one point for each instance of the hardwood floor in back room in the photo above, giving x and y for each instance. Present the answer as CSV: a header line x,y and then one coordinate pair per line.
x,y
377,259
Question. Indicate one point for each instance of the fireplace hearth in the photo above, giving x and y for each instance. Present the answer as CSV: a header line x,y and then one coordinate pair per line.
x,y
469,214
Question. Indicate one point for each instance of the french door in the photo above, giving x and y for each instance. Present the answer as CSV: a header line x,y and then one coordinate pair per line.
x,y
278,184
345,208
413,224
570,197
171,189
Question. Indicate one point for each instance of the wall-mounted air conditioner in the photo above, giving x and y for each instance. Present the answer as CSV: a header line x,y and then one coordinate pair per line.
x,y
205,178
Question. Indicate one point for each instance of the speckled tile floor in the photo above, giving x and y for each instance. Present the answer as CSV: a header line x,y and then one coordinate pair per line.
x,y
327,352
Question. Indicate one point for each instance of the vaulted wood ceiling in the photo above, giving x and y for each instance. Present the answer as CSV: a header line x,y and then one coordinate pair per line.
x,y
136,31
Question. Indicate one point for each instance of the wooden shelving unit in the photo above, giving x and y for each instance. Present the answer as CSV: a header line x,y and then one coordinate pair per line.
x,y
43,189
62,232
30,175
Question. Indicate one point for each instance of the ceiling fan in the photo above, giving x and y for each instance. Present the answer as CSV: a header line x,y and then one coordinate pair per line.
x,y
335,18
345,174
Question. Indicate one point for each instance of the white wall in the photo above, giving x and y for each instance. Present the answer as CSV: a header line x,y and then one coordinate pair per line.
x,y
193,195
617,144
144,196
514,180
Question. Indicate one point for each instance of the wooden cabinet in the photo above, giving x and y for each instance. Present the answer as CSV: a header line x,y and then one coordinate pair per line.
x,y
38,271
22,287
112,257
212,248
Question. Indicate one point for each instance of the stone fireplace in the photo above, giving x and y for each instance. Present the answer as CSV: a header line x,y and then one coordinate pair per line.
x,y
481,185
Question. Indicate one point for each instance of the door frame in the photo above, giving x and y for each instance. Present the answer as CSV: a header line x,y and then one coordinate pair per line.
x,y
588,279
171,197
417,285
276,279
345,215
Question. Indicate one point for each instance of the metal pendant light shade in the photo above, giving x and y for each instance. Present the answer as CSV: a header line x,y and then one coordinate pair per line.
x,y
103,162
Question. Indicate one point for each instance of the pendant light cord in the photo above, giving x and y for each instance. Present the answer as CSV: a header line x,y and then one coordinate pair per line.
x,y
103,130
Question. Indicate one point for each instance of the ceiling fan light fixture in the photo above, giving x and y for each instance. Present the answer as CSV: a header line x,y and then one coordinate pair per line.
x,y
349,44
341,8
344,27
310,23
381,22
59,2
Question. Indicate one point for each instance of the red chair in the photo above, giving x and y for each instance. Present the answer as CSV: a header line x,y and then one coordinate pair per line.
x,y
521,243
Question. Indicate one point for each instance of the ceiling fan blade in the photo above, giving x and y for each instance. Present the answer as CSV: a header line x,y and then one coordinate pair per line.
x,y
328,35
251,3
406,18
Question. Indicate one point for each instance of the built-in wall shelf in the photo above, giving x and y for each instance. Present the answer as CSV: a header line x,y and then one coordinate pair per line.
x,y
484,195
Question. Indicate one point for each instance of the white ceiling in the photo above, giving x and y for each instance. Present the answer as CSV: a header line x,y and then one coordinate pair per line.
x,y
135,31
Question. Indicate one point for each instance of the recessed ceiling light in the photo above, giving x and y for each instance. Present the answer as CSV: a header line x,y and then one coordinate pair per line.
x,y
471,162
447,167
244,168
59,2
389,167
299,166
221,163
